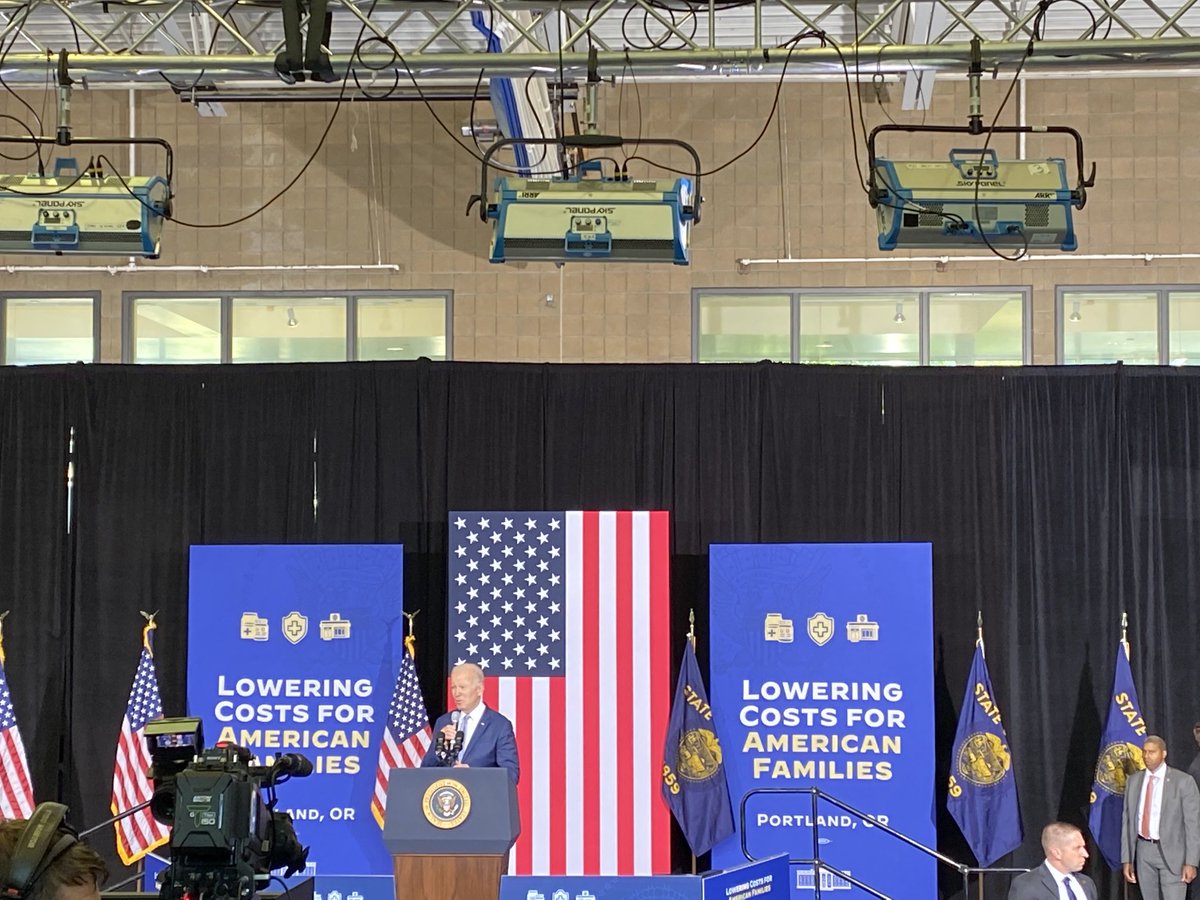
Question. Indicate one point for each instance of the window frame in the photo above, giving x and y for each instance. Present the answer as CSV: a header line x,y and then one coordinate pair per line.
x,y
6,296
1162,319
923,293
226,298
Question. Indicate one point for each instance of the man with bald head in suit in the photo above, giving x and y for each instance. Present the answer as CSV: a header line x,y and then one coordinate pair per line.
x,y
1059,877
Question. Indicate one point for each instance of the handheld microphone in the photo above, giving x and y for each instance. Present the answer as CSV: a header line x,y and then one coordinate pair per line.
x,y
294,764
454,747
456,718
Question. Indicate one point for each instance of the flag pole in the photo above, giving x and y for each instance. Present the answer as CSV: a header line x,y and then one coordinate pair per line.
x,y
1124,644
3,616
983,653
149,628
410,639
691,636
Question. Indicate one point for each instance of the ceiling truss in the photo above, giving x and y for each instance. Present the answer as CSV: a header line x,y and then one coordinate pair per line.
x,y
208,44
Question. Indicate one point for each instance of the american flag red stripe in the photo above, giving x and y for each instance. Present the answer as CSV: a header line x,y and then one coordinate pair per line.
x,y
588,738
624,701
16,787
140,832
659,585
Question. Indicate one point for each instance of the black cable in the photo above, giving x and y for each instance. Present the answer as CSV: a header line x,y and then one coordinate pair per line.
x,y
287,187
637,92
4,51
1035,34
791,45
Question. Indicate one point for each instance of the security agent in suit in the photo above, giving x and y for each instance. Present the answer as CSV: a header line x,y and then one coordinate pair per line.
x,y
487,735
1160,830
1059,877
42,859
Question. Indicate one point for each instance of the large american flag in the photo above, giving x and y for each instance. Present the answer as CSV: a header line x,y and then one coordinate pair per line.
x,y
16,787
139,833
567,613
406,737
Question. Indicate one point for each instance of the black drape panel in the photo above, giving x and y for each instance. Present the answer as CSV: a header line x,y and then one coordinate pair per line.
x,y
36,409
138,468
1053,498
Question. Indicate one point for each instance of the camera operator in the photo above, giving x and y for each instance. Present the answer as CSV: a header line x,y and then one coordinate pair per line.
x,y
75,874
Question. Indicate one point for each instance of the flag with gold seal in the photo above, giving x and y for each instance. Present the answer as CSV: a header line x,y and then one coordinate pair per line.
x,y
1120,756
693,772
983,787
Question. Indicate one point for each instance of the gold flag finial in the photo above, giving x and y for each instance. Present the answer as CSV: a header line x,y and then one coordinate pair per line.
x,y
410,639
979,629
691,635
148,628
1124,631
3,616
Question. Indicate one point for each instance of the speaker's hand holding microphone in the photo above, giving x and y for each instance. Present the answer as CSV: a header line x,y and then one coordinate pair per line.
x,y
449,740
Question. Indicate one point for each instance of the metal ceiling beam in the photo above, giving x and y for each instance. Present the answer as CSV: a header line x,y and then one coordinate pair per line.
x,y
438,42
892,59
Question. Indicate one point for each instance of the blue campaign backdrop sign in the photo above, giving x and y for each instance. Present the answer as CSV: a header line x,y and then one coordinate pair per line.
x,y
765,879
295,649
823,677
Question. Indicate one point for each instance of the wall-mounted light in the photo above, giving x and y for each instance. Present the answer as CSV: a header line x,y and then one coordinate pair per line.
x,y
292,320
1075,315
898,318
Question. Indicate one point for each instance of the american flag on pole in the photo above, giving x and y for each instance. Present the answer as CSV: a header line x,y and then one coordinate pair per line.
x,y
567,614
407,734
16,787
139,833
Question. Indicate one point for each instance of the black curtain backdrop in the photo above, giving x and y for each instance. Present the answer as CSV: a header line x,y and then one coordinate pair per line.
x,y
1054,499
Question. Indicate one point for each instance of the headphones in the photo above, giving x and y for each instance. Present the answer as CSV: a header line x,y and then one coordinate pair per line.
x,y
46,837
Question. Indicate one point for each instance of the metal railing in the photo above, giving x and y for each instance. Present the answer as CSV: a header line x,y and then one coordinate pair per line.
x,y
819,866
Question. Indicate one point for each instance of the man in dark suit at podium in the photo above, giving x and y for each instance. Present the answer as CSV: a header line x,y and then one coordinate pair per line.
x,y
487,736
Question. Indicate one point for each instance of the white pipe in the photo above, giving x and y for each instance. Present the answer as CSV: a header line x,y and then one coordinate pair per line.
x,y
132,170
133,268
1022,119
1039,257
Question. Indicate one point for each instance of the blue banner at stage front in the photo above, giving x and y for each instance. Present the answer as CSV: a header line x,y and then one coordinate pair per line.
x,y
765,879
295,649
823,677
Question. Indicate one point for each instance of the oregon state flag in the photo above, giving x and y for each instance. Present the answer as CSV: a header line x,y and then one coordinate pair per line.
x,y
983,789
1120,756
693,772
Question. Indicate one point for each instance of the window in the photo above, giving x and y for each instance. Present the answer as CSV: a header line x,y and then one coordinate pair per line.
x,y
864,327
286,327
1142,325
40,329
876,329
745,327
972,328
186,330
403,327
1108,325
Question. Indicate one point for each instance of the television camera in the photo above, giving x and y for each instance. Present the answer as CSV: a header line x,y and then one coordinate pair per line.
x,y
226,839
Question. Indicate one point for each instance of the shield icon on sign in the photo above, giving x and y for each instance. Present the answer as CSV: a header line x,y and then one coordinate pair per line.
x,y
295,627
820,628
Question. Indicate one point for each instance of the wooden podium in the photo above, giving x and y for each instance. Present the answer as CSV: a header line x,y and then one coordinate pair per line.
x,y
449,831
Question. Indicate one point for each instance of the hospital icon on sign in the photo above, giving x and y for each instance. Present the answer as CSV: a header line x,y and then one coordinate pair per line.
x,y
777,628
335,628
861,629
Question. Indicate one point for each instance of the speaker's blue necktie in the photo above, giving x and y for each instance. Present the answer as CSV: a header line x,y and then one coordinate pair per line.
x,y
1071,895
